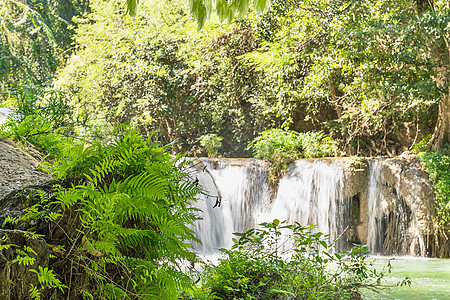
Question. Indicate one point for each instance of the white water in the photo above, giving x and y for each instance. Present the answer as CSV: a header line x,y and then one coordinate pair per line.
x,y
406,228
4,113
244,194
308,194
376,208
311,192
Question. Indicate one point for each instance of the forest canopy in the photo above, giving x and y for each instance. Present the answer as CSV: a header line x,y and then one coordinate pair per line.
x,y
371,74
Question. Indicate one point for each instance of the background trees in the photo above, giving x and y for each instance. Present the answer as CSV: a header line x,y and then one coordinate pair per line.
x,y
374,75
376,62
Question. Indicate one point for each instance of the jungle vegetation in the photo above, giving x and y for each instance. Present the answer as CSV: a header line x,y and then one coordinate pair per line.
x,y
372,75
279,81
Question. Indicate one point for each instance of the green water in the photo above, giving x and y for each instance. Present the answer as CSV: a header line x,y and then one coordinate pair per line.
x,y
430,279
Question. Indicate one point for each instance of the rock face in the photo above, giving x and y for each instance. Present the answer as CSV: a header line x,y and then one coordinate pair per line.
x,y
392,203
16,279
17,170
18,173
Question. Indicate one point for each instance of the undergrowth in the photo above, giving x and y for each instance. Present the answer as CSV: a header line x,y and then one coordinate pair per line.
x,y
121,219
437,165
281,261
281,147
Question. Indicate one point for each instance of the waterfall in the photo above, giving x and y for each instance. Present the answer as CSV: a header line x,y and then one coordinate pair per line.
x,y
308,193
314,191
392,226
376,208
242,187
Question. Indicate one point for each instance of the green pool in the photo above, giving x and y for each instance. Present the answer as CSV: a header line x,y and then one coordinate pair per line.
x,y
430,278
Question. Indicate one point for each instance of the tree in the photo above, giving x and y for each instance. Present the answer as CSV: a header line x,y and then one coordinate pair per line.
x,y
428,26
439,50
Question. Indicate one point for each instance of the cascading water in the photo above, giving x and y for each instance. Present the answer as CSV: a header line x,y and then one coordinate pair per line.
x,y
375,208
392,225
309,193
242,188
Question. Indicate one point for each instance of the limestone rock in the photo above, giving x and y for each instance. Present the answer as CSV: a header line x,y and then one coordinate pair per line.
x,y
18,169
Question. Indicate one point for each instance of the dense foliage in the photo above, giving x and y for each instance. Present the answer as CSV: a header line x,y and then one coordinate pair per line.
x,y
135,211
212,143
125,212
437,164
35,38
279,261
363,71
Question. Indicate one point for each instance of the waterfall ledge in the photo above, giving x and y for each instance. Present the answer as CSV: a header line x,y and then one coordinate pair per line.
x,y
387,204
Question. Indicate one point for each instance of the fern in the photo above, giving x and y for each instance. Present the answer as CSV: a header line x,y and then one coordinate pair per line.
x,y
135,212
48,279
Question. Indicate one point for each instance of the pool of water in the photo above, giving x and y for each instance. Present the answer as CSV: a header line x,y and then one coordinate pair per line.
x,y
430,278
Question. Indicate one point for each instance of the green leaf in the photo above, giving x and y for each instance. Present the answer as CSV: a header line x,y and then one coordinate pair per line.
x,y
261,5
132,7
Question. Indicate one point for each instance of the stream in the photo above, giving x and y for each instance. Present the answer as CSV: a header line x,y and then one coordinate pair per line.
x,y
430,278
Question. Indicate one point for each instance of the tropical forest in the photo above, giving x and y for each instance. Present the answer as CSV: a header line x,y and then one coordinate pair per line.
x,y
224,149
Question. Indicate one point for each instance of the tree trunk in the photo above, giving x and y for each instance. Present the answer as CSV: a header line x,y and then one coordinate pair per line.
x,y
440,52
441,134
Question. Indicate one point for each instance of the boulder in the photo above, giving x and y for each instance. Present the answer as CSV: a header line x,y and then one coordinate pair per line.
x,y
18,169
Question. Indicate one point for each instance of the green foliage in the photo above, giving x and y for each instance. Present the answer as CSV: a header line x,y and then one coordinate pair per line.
x,y
212,143
41,120
437,164
50,104
226,10
159,74
35,37
281,147
47,279
34,131
130,203
135,215
422,146
359,72
279,261
368,61
277,145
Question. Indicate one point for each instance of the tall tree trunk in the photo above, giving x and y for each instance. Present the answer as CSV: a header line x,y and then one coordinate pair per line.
x,y
440,52
441,134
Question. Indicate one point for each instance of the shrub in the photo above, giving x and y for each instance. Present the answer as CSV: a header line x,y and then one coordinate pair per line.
x,y
40,120
135,212
282,147
437,164
212,143
277,145
125,216
282,261
34,131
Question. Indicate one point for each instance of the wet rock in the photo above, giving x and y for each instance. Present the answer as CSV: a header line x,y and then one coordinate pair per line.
x,y
16,279
407,180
